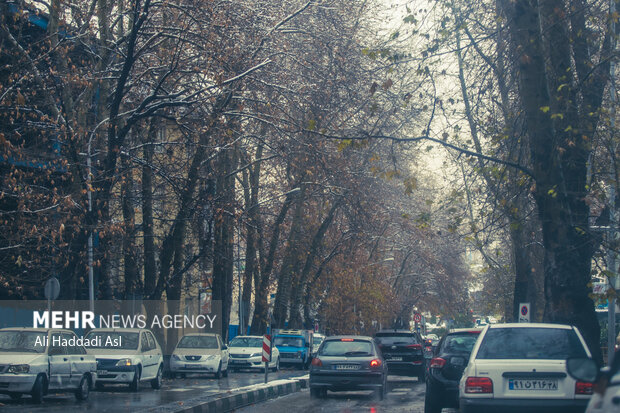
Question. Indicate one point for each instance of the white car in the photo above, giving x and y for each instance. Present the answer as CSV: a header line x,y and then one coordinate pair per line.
x,y
246,352
126,356
39,361
516,367
606,383
200,353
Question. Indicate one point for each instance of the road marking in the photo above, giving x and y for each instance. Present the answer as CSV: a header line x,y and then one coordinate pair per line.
x,y
401,390
179,389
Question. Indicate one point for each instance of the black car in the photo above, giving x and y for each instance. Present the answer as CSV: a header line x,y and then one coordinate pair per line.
x,y
345,363
446,368
402,351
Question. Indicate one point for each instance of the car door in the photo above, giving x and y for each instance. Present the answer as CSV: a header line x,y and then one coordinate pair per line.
x,y
155,351
80,362
59,364
224,352
147,357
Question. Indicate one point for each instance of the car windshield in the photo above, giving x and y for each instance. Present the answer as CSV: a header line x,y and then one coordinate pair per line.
x,y
288,342
209,342
25,341
113,340
246,342
396,338
459,343
355,348
530,343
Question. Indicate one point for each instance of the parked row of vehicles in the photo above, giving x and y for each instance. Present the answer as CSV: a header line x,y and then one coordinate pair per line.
x,y
39,361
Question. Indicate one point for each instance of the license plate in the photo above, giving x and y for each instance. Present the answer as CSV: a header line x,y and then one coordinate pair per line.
x,y
395,359
347,367
533,384
102,372
192,366
236,361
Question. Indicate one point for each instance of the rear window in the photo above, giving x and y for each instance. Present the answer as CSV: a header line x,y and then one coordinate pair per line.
x,y
346,348
459,343
396,338
530,343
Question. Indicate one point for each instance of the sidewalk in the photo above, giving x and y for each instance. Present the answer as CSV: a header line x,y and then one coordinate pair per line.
x,y
235,399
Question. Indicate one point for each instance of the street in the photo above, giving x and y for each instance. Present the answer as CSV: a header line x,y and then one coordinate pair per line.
x,y
119,399
406,395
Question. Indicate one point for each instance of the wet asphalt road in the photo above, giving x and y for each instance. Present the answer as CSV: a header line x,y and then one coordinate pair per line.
x,y
118,399
406,396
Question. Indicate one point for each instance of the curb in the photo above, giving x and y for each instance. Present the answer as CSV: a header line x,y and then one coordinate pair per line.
x,y
244,396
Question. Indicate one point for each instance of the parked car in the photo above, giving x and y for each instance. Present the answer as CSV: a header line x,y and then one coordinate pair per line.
x,y
345,363
402,351
200,353
605,383
246,352
39,361
522,367
316,342
134,357
446,367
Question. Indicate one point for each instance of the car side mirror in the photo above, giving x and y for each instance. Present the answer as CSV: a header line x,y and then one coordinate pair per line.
x,y
582,368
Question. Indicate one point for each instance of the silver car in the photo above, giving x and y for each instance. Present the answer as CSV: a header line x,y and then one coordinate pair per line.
x,y
39,361
345,363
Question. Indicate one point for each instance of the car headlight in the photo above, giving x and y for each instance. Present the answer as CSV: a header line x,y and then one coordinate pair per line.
x,y
212,357
123,363
176,357
255,354
19,368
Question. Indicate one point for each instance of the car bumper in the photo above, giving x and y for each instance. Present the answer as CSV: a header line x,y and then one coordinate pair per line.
x,y
116,374
207,366
412,367
17,383
253,363
346,381
476,405
295,360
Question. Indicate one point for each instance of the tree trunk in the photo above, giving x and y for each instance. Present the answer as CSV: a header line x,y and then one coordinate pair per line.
x,y
150,263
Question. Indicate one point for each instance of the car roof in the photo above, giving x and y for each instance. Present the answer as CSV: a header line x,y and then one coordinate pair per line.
x,y
396,331
246,337
38,329
200,334
531,325
350,336
466,330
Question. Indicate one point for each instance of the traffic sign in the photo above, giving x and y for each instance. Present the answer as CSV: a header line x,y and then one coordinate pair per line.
x,y
52,288
266,348
524,312
417,317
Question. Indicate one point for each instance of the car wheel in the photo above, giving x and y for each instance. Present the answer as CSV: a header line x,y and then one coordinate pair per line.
x,y
15,396
38,389
83,390
277,366
156,382
218,375
317,393
431,401
135,383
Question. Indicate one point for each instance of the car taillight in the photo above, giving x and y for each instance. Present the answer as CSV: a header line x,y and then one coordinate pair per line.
x,y
437,363
582,387
478,385
416,346
346,339
375,363
317,362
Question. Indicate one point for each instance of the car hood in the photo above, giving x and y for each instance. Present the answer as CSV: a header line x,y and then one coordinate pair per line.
x,y
111,353
21,358
245,350
197,351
